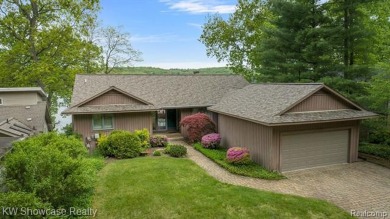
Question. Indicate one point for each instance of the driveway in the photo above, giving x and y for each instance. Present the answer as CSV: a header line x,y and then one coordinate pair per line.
x,y
359,186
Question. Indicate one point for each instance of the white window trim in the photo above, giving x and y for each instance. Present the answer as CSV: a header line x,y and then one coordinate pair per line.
x,y
102,117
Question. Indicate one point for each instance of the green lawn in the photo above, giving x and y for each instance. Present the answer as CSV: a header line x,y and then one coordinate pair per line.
x,y
252,170
165,187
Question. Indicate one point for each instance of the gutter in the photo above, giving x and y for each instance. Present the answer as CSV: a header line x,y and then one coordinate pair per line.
x,y
292,123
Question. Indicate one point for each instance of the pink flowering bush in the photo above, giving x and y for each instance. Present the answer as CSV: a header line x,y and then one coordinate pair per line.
x,y
211,140
158,141
238,155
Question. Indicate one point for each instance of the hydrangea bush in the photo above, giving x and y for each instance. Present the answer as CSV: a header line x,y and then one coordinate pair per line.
x,y
158,141
238,155
211,140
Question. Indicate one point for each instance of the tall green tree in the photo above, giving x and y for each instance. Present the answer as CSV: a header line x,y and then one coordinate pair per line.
x,y
352,37
297,48
44,43
301,40
380,94
360,35
117,49
236,39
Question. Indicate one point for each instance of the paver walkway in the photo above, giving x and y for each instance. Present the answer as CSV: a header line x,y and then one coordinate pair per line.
x,y
357,186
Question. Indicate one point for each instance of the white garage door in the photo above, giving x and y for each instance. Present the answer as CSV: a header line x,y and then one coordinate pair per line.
x,y
306,150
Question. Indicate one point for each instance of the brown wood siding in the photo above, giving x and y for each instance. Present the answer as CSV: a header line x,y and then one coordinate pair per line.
x,y
113,97
82,124
257,138
353,126
354,143
184,113
133,121
321,101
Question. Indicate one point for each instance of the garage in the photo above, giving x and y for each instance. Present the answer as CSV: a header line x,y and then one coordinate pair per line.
x,y
291,126
313,149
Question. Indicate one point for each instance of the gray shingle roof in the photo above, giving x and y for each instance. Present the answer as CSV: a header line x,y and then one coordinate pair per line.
x,y
14,128
163,91
263,103
37,113
110,108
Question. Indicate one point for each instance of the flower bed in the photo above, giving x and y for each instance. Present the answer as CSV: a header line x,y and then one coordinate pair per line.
x,y
252,169
211,140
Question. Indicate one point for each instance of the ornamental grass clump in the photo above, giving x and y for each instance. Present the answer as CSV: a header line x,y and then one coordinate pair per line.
x,y
158,141
211,140
238,155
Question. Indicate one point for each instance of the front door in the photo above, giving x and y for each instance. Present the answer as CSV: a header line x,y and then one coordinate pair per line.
x,y
171,119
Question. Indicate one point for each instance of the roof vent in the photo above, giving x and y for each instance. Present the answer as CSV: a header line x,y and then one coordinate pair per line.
x,y
29,119
85,80
28,107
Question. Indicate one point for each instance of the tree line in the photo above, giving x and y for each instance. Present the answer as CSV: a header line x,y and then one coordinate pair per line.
x,y
343,43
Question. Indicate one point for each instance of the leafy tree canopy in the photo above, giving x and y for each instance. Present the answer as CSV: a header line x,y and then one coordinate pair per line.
x,y
302,40
45,43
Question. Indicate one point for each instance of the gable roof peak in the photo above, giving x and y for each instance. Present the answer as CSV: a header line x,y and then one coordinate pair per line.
x,y
163,90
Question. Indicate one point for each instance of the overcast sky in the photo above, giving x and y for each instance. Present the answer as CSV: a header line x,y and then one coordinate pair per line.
x,y
166,31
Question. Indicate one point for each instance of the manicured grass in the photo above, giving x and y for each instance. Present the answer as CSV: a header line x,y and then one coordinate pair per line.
x,y
375,149
165,187
253,169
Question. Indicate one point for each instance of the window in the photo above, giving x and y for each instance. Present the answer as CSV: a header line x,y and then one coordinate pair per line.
x,y
101,122
1,101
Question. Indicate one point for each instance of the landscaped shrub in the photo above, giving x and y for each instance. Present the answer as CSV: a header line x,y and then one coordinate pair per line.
x,y
123,144
158,141
196,126
156,153
238,155
20,200
68,131
380,137
211,140
144,136
375,149
176,150
252,169
166,149
55,168
103,146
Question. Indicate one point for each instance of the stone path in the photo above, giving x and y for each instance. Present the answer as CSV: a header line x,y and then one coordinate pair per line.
x,y
357,186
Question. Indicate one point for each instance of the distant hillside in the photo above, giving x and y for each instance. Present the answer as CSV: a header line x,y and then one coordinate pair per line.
x,y
152,70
